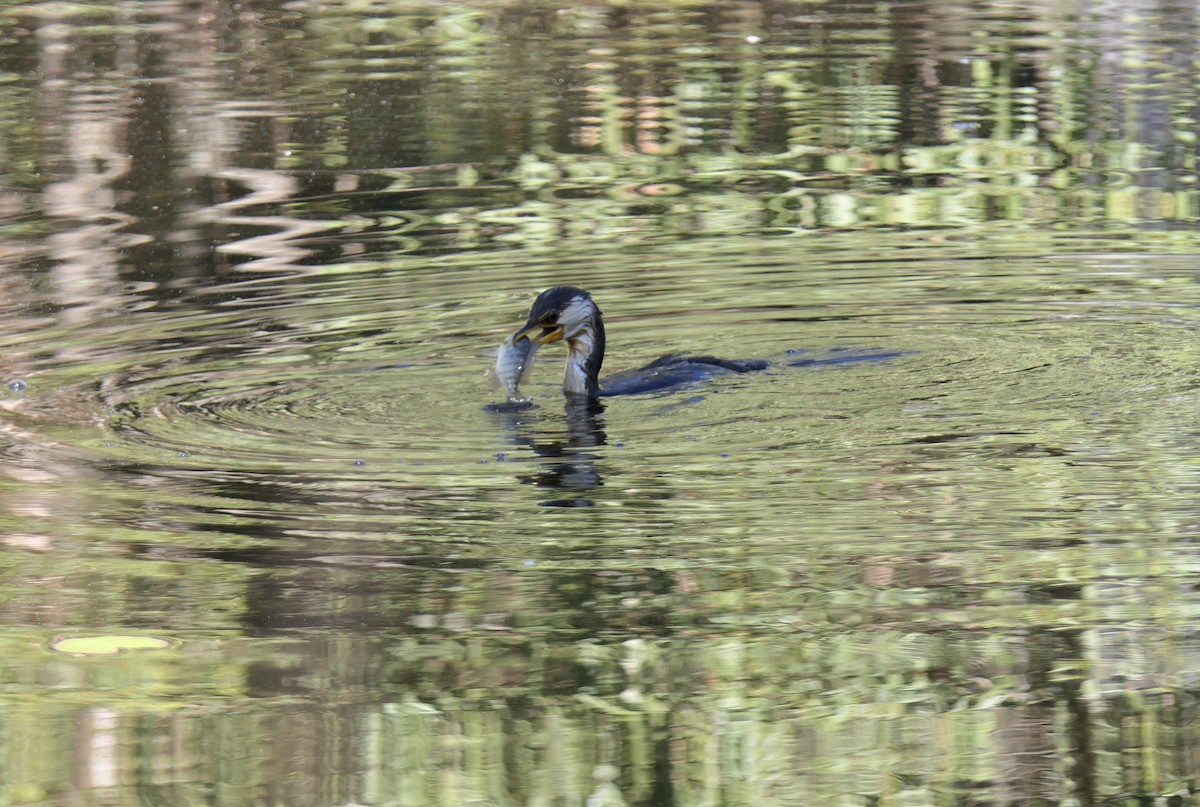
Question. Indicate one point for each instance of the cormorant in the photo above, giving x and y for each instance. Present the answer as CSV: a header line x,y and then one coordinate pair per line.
x,y
566,312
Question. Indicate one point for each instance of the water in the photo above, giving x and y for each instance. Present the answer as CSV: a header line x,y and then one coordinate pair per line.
x,y
263,544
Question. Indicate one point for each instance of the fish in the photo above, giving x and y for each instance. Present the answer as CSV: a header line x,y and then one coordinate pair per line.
x,y
513,363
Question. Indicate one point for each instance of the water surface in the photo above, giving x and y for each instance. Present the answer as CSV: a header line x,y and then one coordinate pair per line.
x,y
252,263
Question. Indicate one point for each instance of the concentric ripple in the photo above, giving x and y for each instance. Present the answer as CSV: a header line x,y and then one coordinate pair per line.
x,y
352,407
1062,334
285,415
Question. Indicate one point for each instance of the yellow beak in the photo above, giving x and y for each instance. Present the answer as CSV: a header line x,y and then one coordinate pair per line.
x,y
549,334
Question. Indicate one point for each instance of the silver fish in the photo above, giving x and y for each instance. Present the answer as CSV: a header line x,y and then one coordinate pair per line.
x,y
513,363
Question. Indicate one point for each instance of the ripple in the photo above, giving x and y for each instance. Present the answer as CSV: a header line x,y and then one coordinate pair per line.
x,y
321,386
284,414
346,407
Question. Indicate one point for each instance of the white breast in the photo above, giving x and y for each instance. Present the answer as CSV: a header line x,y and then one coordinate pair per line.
x,y
575,379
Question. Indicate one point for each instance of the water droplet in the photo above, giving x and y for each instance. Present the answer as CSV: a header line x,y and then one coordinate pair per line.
x,y
531,563
17,385
725,456
184,455
359,463
753,40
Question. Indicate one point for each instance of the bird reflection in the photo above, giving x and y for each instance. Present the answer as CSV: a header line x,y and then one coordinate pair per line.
x,y
564,447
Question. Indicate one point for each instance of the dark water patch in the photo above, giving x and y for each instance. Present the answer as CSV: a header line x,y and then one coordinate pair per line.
x,y
835,356
508,407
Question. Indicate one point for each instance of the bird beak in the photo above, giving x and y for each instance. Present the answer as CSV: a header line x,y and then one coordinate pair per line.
x,y
550,333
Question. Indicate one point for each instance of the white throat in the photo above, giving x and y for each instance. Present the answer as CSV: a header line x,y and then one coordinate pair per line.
x,y
580,346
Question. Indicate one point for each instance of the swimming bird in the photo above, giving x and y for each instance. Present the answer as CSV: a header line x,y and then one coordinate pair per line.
x,y
570,314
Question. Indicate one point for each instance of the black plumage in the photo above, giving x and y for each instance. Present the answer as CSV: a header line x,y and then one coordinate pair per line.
x,y
569,313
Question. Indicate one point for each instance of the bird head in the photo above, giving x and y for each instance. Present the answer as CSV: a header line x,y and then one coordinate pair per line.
x,y
562,312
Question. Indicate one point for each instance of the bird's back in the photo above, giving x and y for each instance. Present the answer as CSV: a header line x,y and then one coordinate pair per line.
x,y
675,370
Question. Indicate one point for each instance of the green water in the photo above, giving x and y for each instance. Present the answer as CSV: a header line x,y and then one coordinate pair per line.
x,y
255,261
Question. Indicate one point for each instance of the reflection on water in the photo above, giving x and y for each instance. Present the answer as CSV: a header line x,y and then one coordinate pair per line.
x,y
939,552
564,450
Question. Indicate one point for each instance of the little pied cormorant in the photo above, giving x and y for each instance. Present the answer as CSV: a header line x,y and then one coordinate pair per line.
x,y
568,313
